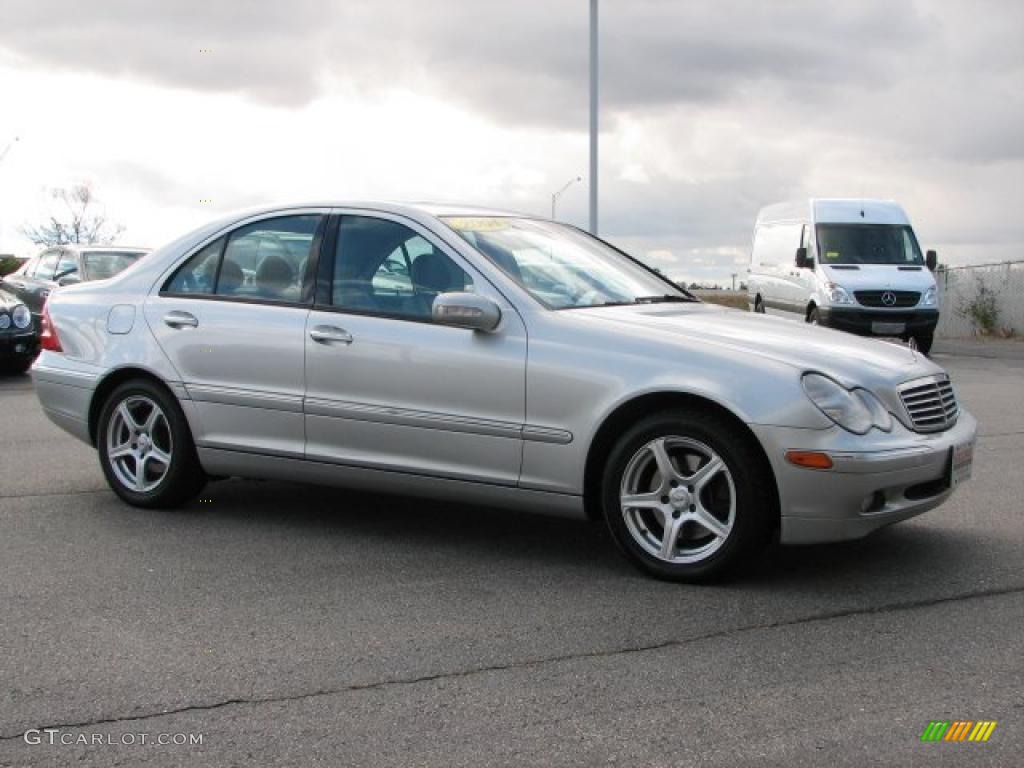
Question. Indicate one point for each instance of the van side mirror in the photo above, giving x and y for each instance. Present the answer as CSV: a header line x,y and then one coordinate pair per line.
x,y
931,260
801,258
466,310
69,278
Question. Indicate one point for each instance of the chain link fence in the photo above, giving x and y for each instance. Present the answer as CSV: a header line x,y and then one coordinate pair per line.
x,y
983,299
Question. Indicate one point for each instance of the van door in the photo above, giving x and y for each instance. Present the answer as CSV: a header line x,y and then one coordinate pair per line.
x,y
778,244
805,281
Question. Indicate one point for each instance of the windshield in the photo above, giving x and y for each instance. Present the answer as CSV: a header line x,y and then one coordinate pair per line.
x,y
868,244
560,266
99,265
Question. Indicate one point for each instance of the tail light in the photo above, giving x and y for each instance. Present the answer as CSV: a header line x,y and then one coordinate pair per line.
x,y
47,333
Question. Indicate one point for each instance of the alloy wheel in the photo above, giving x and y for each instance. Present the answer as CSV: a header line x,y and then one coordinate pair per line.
x,y
139,445
678,499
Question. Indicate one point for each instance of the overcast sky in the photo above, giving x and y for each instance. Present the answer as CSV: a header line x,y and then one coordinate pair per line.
x,y
709,111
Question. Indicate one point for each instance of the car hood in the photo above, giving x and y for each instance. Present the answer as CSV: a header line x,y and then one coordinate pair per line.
x,y
8,300
851,360
879,277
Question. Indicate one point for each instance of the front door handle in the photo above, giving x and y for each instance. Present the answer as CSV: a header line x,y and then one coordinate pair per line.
x,y
44,293
327,334
178,319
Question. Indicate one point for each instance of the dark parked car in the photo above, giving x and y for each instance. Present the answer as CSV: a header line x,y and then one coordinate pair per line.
x,y
66,265
18,342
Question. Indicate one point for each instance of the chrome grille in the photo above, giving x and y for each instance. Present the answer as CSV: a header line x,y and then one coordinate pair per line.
x,y
887,298
930,403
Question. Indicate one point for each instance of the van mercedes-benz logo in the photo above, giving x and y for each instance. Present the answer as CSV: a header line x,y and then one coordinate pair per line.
x,y
889,299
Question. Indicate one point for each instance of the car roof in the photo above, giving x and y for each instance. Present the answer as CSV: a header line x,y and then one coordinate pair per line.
x,y
105,248
412,209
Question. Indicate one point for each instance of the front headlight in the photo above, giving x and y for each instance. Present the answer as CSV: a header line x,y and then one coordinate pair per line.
x,y
21,316
856,410
5,321
930,298
836,294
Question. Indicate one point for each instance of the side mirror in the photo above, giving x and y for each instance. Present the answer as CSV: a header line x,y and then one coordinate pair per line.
x,y
801,258
931,260
71,278
466,310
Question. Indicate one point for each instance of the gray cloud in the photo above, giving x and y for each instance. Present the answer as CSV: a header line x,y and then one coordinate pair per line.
x,y
916,99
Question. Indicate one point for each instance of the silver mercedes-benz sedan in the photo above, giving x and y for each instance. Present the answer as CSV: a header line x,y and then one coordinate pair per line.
x,y
498,359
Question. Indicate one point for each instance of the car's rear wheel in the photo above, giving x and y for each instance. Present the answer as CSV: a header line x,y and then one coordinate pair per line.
x,y
145,447
814,316
687,496
17,366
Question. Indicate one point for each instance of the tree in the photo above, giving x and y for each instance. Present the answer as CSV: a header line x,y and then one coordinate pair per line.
x,y
80,222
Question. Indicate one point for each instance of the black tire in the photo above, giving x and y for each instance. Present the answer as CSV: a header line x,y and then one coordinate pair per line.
x,y
755,516
814,317
759,305
924,343
183,477
17,367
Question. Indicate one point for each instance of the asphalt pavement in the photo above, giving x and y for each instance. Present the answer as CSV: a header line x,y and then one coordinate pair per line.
x,y
291,625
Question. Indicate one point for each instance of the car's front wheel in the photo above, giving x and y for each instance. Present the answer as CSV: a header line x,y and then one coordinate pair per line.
x,y
924,343
145,447
687,496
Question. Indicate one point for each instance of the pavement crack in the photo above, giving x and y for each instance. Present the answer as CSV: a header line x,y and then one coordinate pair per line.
x,y
907,605
52,494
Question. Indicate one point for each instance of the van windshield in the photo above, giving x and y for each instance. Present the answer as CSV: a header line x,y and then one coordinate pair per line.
x,y
867,244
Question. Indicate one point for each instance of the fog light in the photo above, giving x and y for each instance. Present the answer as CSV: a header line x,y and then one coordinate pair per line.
x,y
809,459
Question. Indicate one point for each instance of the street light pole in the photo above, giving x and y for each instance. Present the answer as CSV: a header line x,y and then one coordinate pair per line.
x,y
593,117
558,194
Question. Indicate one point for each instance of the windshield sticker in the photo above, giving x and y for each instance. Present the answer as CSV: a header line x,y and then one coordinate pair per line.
x,y
831,255
477,224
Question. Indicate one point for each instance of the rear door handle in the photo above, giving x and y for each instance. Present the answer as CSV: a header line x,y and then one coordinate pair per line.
x,y
327,334
44,293
178,319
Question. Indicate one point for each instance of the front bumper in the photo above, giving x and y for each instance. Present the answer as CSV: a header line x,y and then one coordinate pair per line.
x,y
916,322
18,345
877,479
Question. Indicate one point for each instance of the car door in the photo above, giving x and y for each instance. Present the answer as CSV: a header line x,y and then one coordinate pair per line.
x,y
232,320
386,387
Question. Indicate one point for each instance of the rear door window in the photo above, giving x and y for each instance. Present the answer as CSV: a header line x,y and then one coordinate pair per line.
x,y
268,259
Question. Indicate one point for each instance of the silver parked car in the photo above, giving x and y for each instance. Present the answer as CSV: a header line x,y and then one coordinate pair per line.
x,y
497,359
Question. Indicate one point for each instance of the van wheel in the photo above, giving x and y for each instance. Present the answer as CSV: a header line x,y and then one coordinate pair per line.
x,y
687,496
924,343
145,447
759,306
813,317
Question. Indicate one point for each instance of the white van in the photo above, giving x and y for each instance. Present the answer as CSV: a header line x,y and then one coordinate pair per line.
x,y
854,265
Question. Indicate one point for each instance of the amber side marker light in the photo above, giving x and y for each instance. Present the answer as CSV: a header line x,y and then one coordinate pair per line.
x,y
809,459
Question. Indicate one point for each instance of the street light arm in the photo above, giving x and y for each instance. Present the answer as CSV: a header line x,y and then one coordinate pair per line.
x,y
558,194
568,184
7,149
